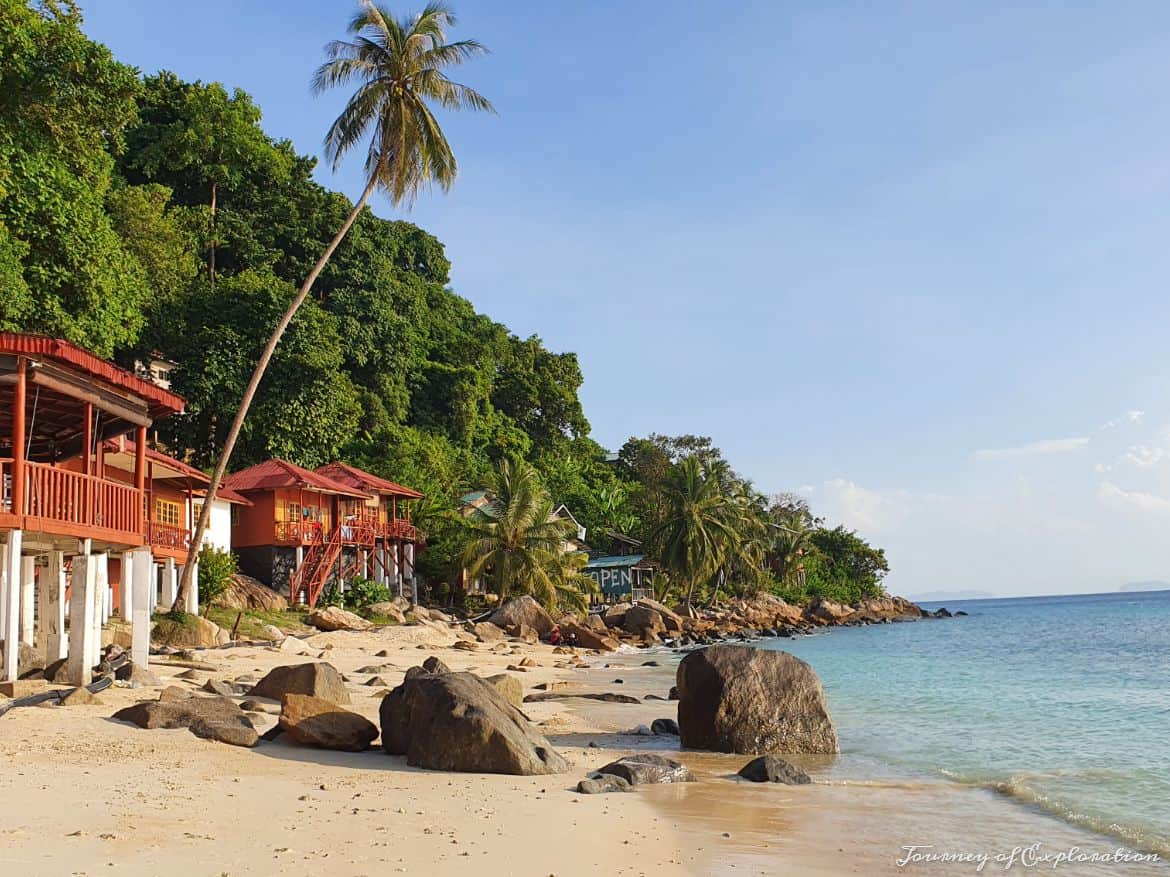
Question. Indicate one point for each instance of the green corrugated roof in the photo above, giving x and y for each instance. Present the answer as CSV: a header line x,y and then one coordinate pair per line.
x,y
474,496
615,561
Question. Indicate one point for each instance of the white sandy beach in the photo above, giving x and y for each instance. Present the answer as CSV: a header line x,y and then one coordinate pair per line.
x,y
83,795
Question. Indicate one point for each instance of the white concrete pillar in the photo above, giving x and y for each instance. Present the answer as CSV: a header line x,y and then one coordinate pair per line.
x,y
193,591
101,584
81,614
143,580
11,592
28,590
52,602
408,561
153,589
3,593
126,586
394,579
170,584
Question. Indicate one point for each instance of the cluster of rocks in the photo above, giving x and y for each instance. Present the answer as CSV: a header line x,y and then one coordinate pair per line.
x,y
648,622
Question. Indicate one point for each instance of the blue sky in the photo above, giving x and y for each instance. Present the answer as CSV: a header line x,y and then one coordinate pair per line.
x,y
907,258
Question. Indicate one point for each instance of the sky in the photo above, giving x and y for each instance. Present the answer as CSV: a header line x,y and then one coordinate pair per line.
x,y
908,259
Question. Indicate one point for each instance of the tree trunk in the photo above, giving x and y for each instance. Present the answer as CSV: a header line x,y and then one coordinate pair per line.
x,y
211,261
250,391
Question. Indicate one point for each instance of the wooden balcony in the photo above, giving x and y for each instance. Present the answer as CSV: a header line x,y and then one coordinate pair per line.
x,y
66,503
398,529
167,540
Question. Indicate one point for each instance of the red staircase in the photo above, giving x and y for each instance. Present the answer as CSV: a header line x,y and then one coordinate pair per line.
x,y
320,560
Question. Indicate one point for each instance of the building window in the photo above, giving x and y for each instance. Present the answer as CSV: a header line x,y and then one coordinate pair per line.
x,y
196,512
166,512
235,516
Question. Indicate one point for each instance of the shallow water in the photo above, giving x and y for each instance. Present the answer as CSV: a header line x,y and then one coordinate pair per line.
x,y
1059,703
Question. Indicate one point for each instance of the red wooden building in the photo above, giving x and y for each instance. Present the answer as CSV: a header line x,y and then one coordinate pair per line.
x,y
63,511
305,529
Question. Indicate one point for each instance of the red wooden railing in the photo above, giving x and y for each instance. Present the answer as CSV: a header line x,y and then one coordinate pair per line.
x,y
296,531
168,536
399,529
86,500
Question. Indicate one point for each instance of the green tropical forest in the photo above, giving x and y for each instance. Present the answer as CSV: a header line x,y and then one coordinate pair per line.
x,y
144,214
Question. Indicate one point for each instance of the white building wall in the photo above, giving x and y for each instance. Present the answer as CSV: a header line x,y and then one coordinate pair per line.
x,y
219,528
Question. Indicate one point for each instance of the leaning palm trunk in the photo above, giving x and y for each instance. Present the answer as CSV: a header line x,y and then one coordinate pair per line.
x,y
250,393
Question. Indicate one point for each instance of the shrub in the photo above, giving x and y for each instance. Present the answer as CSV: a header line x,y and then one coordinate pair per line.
x,y
216,568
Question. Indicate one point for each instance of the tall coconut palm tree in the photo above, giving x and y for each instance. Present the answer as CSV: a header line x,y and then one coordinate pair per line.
x,y
398,66
698,528
517,544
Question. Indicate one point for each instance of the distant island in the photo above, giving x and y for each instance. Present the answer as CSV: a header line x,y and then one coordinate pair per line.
x,y
943,596
1151,585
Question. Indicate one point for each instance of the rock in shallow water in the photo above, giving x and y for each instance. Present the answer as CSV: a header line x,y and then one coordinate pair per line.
x,y
645,768
752,701
770,769
606,782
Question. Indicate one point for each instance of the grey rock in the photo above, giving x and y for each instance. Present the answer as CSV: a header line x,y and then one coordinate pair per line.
x,y
605,783
645,768
314,679
771,769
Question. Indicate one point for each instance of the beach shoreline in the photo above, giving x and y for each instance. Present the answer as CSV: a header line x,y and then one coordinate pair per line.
x,y
85,794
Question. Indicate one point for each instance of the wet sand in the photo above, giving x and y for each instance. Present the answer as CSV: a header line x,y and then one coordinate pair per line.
x,y
83,795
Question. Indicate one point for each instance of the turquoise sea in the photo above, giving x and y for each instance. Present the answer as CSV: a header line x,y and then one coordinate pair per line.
x,y
1060,703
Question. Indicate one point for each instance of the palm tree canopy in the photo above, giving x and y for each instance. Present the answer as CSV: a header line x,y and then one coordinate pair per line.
x,y
518,544
399,66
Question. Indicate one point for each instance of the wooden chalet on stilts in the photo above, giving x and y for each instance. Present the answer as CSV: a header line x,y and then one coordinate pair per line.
x,y
307,529
64,511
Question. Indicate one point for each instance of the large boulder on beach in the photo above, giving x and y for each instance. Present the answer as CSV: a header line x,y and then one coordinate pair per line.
x,y
312,721
523,610
335,618
193,632
616,614
213,718
245,592
751,701
672,620
587,637
315,679
458,721
645,622
387,609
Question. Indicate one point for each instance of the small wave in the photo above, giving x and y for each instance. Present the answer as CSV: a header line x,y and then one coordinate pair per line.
x,y
1017,789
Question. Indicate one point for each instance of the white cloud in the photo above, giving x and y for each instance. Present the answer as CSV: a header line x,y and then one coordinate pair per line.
x,y
1033,449
1135,416
1146,502
1145,455
864,509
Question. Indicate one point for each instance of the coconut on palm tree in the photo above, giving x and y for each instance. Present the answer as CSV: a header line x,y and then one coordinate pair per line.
x,y
398,67
518,546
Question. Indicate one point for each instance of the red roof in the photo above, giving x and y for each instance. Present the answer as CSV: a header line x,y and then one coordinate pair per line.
x,y
276,474
367,481
125,445
161,402
227,495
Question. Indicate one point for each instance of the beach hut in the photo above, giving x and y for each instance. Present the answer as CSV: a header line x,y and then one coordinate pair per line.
x,y
305,529
63,512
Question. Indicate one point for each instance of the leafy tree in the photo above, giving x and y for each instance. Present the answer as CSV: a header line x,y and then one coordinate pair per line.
x,y
399,65
64,105
307,408
844,567
516,544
